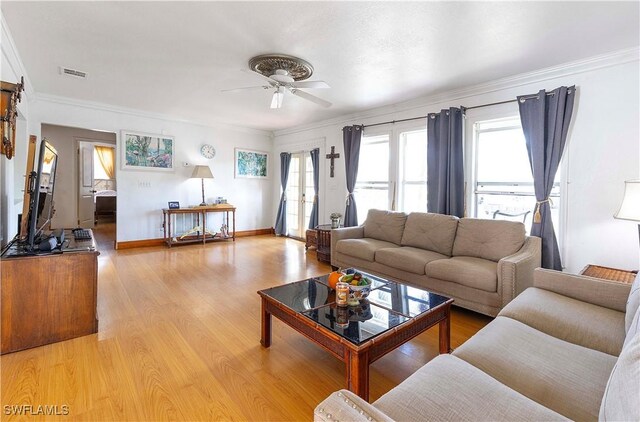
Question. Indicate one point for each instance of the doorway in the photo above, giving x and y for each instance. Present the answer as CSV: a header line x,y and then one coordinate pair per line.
x,y
299,194
97,191
86,193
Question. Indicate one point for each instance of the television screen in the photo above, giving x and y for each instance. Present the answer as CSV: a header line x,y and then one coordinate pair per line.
x,y
41,207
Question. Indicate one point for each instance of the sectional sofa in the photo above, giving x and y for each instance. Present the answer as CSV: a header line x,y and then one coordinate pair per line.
x,y
481,264
567,348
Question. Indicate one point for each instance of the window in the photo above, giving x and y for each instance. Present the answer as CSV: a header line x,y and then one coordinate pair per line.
x,y
392,172
372,186
413,171
503,179
103,156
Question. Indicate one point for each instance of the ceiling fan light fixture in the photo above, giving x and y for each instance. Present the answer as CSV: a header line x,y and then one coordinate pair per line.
x,y
282,76
276,100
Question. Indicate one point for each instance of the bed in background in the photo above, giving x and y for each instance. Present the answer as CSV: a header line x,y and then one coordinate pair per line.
x,y
105,204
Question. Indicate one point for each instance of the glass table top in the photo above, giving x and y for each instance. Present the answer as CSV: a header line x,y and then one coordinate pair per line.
x,y
388,305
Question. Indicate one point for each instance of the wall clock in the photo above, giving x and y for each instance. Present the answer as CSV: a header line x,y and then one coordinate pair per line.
x,y
208,151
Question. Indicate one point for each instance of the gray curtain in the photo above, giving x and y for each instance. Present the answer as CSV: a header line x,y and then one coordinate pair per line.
x,y
545,123
351,137
281,218
445,172
315,161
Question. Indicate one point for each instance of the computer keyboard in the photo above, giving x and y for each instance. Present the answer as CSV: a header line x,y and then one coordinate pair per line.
x,y
81,234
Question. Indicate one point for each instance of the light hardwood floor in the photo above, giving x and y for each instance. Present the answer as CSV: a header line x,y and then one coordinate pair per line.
x,y
179,339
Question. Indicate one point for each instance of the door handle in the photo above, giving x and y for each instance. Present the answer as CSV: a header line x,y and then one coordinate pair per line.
x,y
93,191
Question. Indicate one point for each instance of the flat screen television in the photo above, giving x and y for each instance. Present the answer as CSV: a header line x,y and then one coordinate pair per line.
x,y
41,202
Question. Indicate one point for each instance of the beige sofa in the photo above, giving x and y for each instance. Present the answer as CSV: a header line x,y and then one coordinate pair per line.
x,y
481,264
567,348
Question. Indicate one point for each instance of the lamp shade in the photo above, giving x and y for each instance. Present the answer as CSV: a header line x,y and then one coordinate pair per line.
x,y
202,172
630,207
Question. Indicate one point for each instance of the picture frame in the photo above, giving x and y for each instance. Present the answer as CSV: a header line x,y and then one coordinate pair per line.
x,y
251,164
146,151
174,205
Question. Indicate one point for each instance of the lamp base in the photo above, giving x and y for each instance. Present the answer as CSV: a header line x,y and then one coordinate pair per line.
x,y
203,204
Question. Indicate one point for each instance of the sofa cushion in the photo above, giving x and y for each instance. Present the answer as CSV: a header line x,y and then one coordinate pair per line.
x,y
385,225
449,389
621,400
633,303
562,376
406,258
433,232
488,239
569,319
364,248
468,271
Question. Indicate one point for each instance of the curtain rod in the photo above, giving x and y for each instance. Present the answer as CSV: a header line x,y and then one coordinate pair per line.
x,y
461,107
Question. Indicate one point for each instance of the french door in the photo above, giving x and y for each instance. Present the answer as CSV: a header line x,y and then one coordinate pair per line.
x,y
299,194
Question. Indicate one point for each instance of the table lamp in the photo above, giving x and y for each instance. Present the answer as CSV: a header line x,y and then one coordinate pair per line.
x,y
202,172
630,207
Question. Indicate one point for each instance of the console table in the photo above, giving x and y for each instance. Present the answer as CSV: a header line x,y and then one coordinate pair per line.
x,y
200,231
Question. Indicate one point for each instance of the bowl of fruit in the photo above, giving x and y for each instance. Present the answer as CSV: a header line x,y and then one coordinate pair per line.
x,y
359,285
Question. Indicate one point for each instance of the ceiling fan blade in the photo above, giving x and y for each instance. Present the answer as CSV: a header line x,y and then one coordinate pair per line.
x,y
310,97
310,84
246,87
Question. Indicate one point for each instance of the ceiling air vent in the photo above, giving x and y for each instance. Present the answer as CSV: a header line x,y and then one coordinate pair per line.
x,y
72,72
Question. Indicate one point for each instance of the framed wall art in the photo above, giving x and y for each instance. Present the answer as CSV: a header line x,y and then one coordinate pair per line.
x,y
251,164
145,151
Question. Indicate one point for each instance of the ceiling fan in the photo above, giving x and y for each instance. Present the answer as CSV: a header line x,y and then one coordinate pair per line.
x,y
284,73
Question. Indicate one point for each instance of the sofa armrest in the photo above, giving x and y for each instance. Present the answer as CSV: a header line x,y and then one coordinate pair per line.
x,y
515,272
343,405
345,233
608,294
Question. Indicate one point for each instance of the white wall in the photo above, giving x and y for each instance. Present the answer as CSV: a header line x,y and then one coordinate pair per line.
x,y
12,171
603,149
142,194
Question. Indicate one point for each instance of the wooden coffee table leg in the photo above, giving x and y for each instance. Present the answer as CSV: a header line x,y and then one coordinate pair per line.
x,y
358,370
266,325
445,334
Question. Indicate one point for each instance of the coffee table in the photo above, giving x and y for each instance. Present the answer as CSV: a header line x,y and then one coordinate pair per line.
x,y
393,314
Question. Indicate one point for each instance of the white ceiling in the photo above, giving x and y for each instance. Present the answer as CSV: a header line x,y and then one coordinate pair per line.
x,y
175,57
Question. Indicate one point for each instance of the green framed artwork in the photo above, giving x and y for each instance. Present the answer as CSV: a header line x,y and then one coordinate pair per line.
x,y
251,164
145,151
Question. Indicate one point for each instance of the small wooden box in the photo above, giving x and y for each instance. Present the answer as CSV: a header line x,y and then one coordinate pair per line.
x,y
312,239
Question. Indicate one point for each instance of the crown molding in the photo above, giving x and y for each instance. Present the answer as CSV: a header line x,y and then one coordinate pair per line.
x,y
10,52
145,114
614,58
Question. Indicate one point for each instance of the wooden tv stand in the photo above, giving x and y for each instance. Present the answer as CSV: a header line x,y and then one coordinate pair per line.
x,y
48,298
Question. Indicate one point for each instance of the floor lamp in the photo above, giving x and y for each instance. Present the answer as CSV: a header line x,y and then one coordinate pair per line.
x,y
200,172
630,207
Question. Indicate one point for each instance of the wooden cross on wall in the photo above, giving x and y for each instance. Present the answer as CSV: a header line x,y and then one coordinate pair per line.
x,y
332,157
